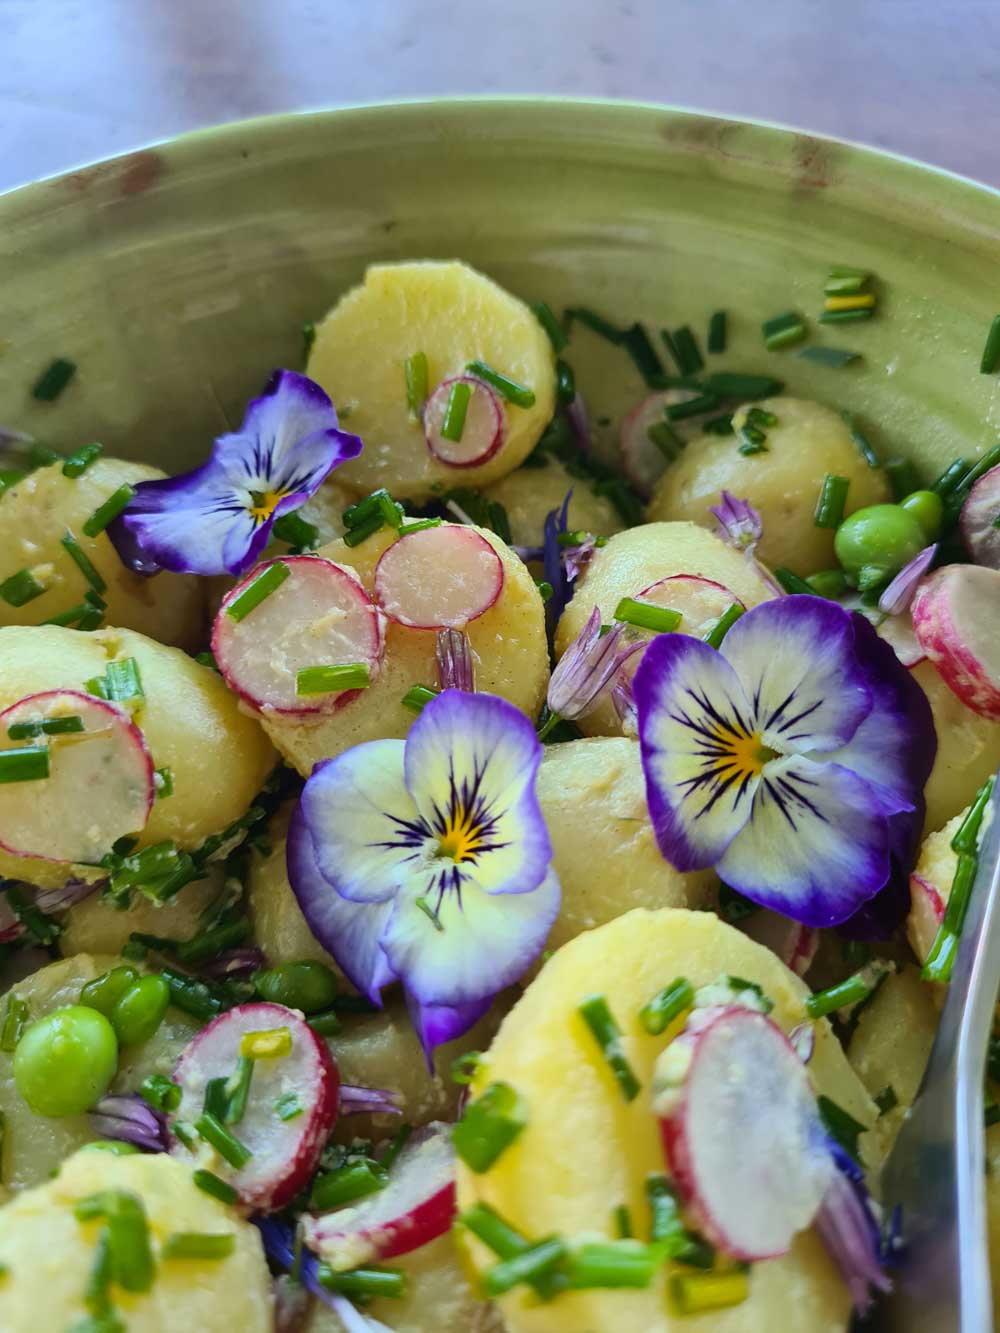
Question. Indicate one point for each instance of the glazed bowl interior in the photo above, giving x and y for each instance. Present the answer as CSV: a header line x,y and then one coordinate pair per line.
x,y
178,277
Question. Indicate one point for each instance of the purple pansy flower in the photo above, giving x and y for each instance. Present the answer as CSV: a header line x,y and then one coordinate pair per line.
x,y
427,861
783,757
218,518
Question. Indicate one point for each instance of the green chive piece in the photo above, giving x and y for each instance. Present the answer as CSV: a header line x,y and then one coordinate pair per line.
x,y
209,1183
724,624
660,619
417,696
636,342
598,1017
783,330
164,781
693,1293
184,1133
40,455
692,407
667,1229
160,1092
15,1019
759,419
666,439
489,1125
115,504
53,380
597,324
829,583
380,503
371,1281
831,501
429,912
565,382
331,679
355,1181
77,463
288,1106
531,1264
397,1145
622,1220
941,959
791,582
689,358
269,580
991,351
966,839
362,531
720,425
835,357
326,1024
752,442
307,330
415,372
902,477
215,1098
21,588
82,561
847,273
612,1264
456,409
666,1005
53,726
886,1100
419,524
123,680
841,1124
225,1144
95,1293
852,990
861,441
982,465
950,477
132,1265
297,532
28,764
668,342
498,1235
237,1089
515,393
198,1245
545,589
550,324
717,332
9,477
730,384
844,316
42,929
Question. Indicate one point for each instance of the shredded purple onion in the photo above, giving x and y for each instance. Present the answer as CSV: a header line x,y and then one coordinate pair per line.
x,y
454,661
367,1101
899,594
584,670
556,522
279,1246
235,962
67,895
579,419
129,1118
740,524
803,1041
849,1228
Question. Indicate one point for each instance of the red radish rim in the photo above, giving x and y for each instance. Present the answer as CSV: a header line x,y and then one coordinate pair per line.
x,y
458,533
633,440
935,609
117,717
490,397
318,704
932,894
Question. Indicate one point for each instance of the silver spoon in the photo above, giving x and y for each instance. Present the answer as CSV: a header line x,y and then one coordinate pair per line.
x,y
937,1168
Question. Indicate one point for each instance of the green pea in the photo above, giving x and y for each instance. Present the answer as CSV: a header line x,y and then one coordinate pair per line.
x,y
104,992
65,1061
307,986
927,508
116,1147
878,540
139,1012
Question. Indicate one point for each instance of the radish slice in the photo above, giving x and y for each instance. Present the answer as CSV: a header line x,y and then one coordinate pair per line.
x,y
742,1132
416,1206
643,460
285,1152
100,785
926,915
954,618
978,520
483,432
320,615
700,601
438,578
794,943
899,634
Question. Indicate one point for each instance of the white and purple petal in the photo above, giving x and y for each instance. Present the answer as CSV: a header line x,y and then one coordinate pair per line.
x,y
899,594
739,522
436,1024
585,669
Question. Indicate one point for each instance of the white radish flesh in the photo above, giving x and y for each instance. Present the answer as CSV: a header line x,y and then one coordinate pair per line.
x,y
285,1152
978,520
643,460
415,1207
100,785
794,943
482,432
955,614
320,615
700,602
438,578
743,1138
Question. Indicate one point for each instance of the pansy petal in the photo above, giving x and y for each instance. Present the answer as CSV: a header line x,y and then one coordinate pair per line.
x,y
436,1024
795,657
367,833
470,767
479,944
701,759
890,907
816,846
348,931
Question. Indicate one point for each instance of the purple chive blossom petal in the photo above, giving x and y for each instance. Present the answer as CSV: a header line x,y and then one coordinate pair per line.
x,y
367,1101
67,895
454,661
585,669
577,558
739,523
579,419
279,1246
848,1226
899,594
218,518
235,962
624,702
131,1119
803,1040
556,522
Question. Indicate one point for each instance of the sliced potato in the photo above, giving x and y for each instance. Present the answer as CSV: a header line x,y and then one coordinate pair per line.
x,y
97,926
531,493
968,749
453,315
783,483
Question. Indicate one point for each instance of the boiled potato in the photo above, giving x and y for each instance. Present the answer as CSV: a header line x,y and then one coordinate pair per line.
x,y
50,1254
39,510
593,797
632,561
98,926
531,493
783,483
34,1145
219,757
453,315
278,924
508,647
585,1149
968,749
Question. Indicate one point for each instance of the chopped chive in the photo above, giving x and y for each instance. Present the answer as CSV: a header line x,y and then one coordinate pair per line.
x,y
307,331
415,371
162,1093
454,414
982,465
15,1020
424,906
693,1293
325,1023
829,583
182,1132
259,588
724,624
269,1044
692,407
565,382
791,582
209,1183
356,1180
518,394
760,419
237,1089
636,342
667,1229
132,1264
216,1098
123,681
622,497
660,619
537,1261
52,726
783,330
417,696
489,1125
941,959
598,1017
40,455
834,357
902,476
830,504
330,679
860,301
163,779
82,561
297,532
499,521
91,619
991,351
198,1245
288,1106
53,380
9,477
207,660
544,589
841,1124
886,1100
612,1264
489,1227
966,839
397,1145
550,324
730,384
21,588
115,504
717,331
597,324
463,1067
419,525
666,440
95,1293
668,342
77,463
214,1132
362,531
852,990
845,282
861,441
371,1281
720,425
378,504
689,358
622,1219
666,1005
28,764
844,316
752,441
950,477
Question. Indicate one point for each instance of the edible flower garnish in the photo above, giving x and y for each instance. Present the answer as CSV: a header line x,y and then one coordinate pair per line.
x,y
740,524
759,755
585,670
848,1227
428,861
556,522
455,669
899,594
130,1119
218,518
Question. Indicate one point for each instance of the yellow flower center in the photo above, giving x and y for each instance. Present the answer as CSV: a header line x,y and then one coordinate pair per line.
x,y
461,838
264,503
741,755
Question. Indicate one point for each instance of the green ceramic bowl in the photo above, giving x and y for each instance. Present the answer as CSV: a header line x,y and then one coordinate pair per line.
x,y
177,277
